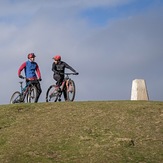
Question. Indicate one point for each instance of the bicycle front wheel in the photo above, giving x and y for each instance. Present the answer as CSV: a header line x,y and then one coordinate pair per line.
x,y
71,90
16,98
51,94
31,94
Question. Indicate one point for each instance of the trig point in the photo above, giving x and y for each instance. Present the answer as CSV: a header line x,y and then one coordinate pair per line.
x,y
139,90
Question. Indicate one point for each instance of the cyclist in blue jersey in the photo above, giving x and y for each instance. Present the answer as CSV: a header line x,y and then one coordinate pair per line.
x,y
32,72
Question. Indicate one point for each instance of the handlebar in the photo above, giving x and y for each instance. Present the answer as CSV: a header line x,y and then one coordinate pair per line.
x,y
22,77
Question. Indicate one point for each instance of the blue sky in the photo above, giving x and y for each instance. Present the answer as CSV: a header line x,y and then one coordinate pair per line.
x,y
96,15
109,42
101,15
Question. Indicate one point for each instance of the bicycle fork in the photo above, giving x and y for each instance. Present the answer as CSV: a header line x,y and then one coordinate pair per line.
x,y
23,94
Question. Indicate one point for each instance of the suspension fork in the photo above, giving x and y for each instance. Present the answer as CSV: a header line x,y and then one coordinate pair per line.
x,y
25,91
64,83
67,83
22,93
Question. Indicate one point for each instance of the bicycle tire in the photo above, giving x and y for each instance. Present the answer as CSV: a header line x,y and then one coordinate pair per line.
x,y
31,94
51,94
16,98
71,90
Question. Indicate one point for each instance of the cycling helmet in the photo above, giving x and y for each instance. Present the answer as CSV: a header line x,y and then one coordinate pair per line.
x,y
57,58
31,55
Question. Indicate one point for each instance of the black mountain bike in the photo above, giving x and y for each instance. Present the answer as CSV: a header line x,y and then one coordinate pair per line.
x,y
26,94
67,89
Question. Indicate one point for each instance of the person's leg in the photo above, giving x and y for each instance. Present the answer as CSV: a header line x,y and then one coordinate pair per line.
x,y
39,91
65,94
59,79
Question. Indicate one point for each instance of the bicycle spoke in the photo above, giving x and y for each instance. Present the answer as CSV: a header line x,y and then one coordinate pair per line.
x,y
16,98
52,94
71,91
31,95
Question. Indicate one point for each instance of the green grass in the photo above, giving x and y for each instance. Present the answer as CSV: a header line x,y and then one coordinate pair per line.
x,y
82,132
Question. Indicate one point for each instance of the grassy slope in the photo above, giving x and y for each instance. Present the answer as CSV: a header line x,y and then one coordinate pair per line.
x,y
82,132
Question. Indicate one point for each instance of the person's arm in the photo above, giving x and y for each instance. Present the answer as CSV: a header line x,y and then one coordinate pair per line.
x,y
54,68
38,71
69,67
20,69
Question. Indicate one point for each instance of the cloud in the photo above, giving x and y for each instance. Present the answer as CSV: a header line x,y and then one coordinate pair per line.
x,y
108,57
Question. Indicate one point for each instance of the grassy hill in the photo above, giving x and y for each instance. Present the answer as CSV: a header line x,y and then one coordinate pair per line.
x,y
82,132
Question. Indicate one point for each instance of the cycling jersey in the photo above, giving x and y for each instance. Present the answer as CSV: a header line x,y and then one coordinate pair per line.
x,y
30,69
60,67
59,70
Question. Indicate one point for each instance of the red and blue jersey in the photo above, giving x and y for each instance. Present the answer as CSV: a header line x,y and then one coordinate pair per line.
x,y
30,70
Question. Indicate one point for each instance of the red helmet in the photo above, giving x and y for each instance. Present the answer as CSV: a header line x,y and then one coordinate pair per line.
x,y
31,55
57,58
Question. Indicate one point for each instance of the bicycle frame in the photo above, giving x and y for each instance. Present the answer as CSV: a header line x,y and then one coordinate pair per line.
x,y
64,83
29,91
24,90
56,94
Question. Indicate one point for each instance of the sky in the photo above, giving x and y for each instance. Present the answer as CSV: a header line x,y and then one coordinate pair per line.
x,y
109,42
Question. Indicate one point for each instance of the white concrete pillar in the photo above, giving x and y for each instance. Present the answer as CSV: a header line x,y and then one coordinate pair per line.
x,y
139,90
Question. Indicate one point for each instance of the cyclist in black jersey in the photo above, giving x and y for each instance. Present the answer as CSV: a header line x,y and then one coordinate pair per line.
x,y
58,67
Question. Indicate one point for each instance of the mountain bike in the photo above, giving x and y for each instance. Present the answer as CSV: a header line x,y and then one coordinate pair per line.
x,y
67,88
26,94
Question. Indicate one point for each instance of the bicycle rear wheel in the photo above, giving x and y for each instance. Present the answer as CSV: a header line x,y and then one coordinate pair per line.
x,y
16,98
71,90
52,95
31,94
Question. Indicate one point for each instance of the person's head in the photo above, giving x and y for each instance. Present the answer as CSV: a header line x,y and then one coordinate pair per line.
x,y
31,57
57,58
